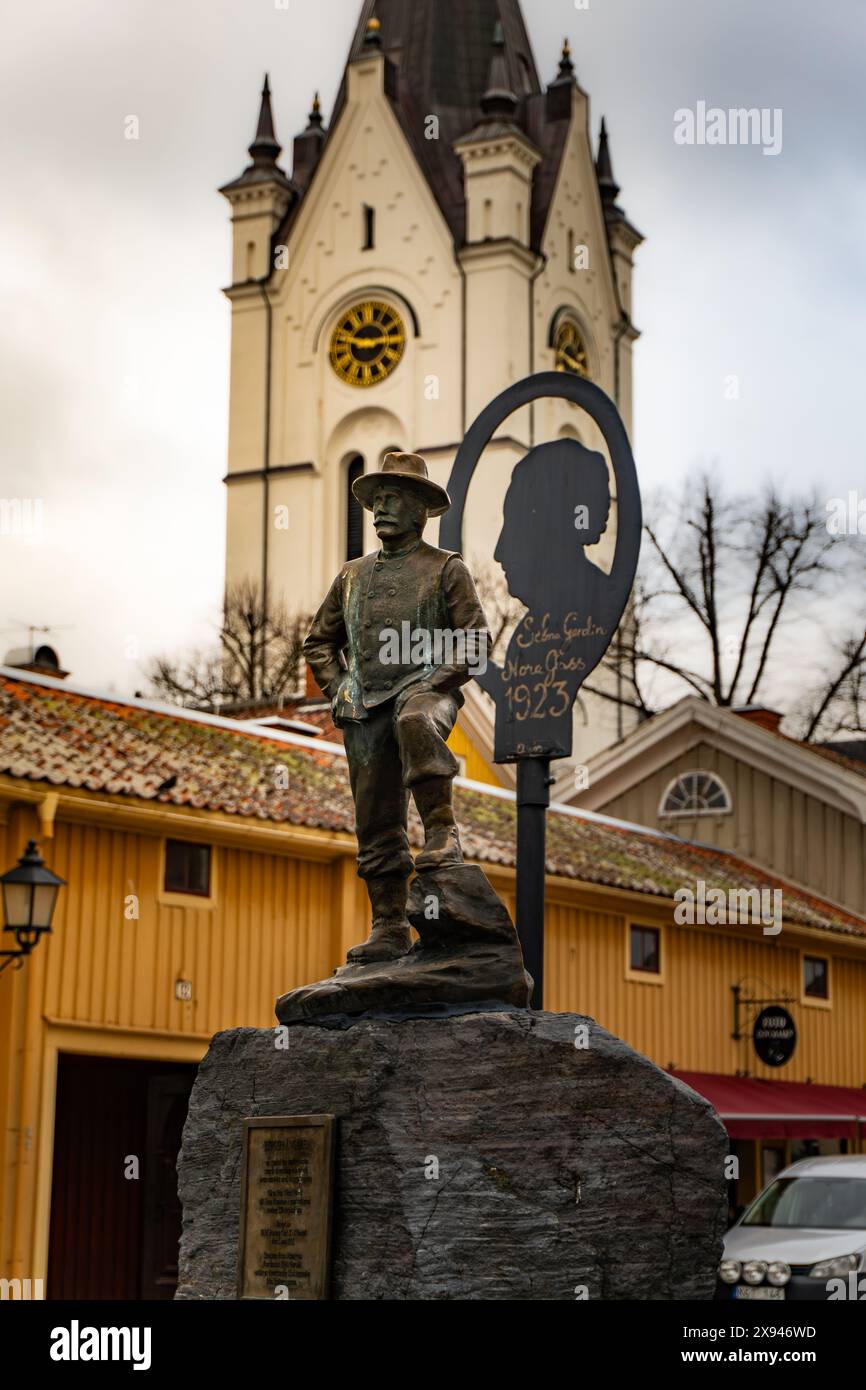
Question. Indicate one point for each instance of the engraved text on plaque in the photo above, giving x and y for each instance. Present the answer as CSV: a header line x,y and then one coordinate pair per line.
x,y
286,1201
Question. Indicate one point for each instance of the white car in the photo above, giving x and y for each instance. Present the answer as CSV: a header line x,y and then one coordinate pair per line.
x,y
803,1237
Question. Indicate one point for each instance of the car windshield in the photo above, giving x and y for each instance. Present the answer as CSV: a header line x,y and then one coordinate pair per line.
x,y
811,1202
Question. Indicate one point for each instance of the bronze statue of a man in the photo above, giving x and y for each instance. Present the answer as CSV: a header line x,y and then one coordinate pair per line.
x,y
400,631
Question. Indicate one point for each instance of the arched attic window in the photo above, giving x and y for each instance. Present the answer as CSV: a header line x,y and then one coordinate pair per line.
x,y
696,794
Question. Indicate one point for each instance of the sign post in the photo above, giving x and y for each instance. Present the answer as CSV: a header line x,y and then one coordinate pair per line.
x,y
533,799
558,505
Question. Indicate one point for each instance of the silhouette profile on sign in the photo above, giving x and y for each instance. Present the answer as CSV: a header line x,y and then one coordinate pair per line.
x,y
557,504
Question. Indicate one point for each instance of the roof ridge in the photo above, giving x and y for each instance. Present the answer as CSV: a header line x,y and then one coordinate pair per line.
x,y
317,744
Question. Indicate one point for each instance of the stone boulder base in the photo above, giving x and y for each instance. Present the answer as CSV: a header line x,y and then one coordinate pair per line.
x,y
479,1156
468,953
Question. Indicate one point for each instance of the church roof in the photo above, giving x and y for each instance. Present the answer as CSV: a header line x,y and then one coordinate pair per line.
x,y
441,50
439,54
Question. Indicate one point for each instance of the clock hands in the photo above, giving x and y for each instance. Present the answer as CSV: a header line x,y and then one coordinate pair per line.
x,y
369,340
572,362
367,343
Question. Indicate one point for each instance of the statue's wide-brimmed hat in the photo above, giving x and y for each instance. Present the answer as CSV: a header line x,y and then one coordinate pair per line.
x,y
409,469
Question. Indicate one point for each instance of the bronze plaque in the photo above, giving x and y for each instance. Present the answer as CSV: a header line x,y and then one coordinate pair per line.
x,y
287,1185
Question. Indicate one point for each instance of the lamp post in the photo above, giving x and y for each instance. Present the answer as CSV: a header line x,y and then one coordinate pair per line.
x,y
29,898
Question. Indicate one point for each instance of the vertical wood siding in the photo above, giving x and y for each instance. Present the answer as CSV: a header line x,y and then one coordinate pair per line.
x,y
280,921
688,1019
796,835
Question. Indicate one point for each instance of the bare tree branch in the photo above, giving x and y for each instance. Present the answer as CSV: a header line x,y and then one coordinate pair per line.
x,y
847,681
728,576
258,660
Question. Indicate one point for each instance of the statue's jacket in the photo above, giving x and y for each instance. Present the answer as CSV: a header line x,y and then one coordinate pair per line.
x,y
420,590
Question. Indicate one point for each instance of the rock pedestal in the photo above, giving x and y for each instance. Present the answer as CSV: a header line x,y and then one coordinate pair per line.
x,y
500,1154
468,953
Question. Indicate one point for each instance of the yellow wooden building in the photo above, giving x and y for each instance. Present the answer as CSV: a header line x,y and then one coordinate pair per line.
x,y
209,867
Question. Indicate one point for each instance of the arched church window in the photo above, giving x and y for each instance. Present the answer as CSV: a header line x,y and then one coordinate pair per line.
x,y
354,511
570,349
696,794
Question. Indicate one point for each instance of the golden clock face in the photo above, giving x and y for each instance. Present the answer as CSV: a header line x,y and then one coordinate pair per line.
x,y
570,350
367,343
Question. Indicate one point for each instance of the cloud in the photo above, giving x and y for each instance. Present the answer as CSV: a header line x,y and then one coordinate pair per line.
x,y
113,252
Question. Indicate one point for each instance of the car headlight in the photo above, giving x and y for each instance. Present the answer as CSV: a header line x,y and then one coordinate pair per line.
x,y
778,1273
830,1269
729,1271
754,1271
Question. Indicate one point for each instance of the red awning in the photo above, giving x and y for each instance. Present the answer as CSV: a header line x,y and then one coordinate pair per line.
x,y
751,1108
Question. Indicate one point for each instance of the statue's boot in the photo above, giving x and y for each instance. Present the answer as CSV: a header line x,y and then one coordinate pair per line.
x,y
391,935
441,838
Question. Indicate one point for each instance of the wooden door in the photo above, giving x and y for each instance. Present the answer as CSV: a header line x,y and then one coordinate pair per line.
x,y
167,1102
113,1235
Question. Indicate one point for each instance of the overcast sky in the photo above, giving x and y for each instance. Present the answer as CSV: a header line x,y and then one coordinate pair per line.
x,y
114,334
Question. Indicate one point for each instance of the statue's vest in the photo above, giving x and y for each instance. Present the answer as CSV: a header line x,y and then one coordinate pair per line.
x,y
382,595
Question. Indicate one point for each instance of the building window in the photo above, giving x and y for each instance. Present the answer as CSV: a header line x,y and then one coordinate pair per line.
x,y
816,977
696,794
570,354
645,950
354,511
187,868
369,228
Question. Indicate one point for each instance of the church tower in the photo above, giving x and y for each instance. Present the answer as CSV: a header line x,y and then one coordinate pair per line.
x,y
449,233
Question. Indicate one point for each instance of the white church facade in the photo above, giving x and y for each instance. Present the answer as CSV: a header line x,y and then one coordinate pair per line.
x,y
449,233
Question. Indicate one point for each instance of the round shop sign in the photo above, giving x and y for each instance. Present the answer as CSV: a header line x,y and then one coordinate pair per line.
x,y
774,1036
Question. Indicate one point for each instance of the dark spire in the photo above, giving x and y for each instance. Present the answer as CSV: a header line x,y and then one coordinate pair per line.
x,y
373,33
265,148
308,146
607,184
499,100
314,120
614,216
559,93
264,151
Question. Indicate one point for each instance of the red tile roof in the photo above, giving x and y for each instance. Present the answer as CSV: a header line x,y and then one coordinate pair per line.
x,y
56,735
53,734
841,759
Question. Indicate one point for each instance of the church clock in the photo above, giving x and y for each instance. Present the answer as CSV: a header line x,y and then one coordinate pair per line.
x,y
367,343
570,350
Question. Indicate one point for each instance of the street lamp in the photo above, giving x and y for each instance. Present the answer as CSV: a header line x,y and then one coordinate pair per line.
x,y
29,897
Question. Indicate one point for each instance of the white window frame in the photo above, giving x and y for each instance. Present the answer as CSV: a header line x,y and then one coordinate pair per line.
x,y
688,814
